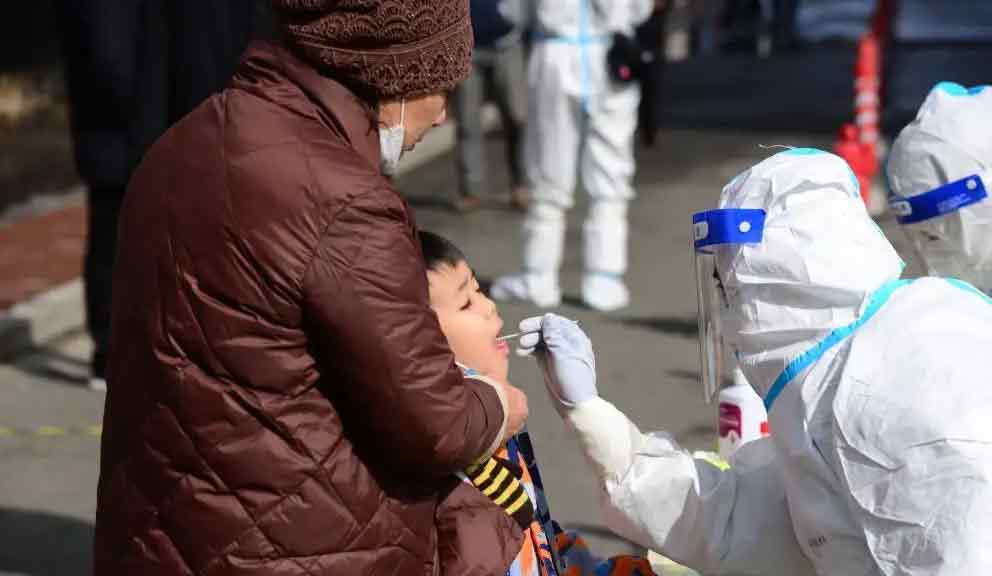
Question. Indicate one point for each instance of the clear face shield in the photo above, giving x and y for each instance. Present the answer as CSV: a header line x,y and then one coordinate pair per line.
x,y
951,242
710,230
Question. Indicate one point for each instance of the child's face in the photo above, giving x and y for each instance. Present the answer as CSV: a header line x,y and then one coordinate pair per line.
x,y
469,320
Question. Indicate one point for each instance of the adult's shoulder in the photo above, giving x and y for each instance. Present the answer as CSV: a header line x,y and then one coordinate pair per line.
x,y
284,120
296,160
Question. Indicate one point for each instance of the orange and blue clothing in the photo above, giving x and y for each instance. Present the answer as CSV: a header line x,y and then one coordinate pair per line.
x,y
546,550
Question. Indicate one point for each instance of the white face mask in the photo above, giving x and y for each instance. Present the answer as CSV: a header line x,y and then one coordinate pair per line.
x,y
391,144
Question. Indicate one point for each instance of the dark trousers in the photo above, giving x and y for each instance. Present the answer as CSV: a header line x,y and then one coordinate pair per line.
x,y
134,68
103,206
499,74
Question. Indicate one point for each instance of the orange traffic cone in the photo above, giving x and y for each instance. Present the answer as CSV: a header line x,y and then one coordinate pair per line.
x,y
860,156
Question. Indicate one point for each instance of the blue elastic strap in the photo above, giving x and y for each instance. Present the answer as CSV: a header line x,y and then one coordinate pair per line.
x,y
802,152
573,40
728,226
511,449
584,56
948,198
583,40
542,511
952,88
807,358
955,89
962,285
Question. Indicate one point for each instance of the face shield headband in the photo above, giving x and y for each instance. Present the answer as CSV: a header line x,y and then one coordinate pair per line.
x,y
711,229
940,201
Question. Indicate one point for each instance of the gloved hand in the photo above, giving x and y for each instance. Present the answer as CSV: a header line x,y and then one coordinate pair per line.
x,y
565,354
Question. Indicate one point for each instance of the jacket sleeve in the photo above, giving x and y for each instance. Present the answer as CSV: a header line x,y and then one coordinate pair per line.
x,y
368,319
732,521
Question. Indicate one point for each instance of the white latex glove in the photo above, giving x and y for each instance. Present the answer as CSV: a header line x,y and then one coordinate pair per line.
x,y
565,354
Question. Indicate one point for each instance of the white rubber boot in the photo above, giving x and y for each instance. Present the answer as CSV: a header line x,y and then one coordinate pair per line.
x,y
605,257
604,292
542,292
544,238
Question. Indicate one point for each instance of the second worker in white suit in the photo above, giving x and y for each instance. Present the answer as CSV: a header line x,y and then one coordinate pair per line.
x,y
880,455
940,172
582,122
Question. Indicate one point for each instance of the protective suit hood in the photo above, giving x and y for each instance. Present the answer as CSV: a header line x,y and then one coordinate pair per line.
x,y
821,257
950,139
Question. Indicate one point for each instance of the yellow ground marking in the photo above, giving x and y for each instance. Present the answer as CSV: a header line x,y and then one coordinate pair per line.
x,y
48,431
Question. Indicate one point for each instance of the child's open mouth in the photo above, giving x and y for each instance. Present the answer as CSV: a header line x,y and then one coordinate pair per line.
x,y
503,346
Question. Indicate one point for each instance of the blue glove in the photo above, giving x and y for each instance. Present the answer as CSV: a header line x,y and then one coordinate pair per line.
x,y
565,354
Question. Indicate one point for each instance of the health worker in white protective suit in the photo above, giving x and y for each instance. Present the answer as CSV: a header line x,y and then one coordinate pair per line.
x,y
940,172
582,121
880,455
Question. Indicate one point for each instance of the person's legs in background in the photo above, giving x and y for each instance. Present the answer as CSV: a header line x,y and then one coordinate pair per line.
x,y
509,90
607,167
552,139
469,97
213,35
103,206
130,74
97,41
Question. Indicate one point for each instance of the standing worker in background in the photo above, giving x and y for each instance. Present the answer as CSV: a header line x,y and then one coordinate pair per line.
x,y
582,120
497,72
880,457
940,172
132,69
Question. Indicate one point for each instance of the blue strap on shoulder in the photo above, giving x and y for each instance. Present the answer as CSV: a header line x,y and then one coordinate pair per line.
x,y
807,358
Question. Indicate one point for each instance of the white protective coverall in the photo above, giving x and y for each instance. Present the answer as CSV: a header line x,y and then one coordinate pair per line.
x,y
580,121
880,455
950,139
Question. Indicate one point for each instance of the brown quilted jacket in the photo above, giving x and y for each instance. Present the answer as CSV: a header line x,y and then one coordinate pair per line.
x,y
281,398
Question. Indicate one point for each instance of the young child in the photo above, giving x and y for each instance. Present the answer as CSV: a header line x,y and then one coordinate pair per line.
x,y
474,535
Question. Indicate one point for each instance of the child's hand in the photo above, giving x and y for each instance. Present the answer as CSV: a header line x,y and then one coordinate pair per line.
x,y
565,354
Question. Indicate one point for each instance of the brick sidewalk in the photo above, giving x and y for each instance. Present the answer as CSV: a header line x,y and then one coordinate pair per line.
x,y
41,252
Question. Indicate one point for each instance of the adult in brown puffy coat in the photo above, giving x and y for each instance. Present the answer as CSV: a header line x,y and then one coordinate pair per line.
x,y
281,399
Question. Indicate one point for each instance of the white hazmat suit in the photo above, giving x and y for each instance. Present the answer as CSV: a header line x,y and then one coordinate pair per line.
x,y
880,455
941,165
580,122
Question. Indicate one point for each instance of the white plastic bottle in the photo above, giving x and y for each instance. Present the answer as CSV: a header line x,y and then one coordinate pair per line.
x,y
742,416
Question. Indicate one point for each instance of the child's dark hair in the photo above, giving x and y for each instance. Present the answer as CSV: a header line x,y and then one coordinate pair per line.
x,y
439,251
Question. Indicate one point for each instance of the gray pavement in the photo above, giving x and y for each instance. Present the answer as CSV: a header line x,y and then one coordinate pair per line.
x,y
49,454
647,354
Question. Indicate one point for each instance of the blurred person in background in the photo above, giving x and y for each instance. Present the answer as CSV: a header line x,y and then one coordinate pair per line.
x,y
582,120
280,396
497,73
132,69
940,172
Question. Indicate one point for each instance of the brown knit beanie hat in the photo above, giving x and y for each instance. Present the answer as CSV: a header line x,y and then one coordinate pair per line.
x,y
382,49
